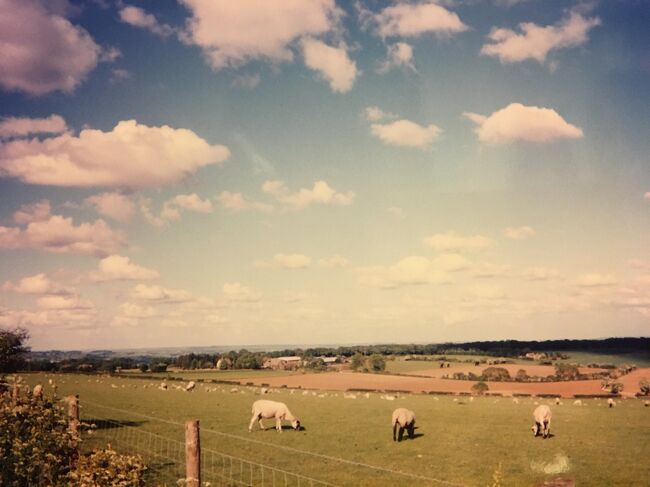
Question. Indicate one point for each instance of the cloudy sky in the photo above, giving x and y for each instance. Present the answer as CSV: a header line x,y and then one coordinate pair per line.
x,y
217,172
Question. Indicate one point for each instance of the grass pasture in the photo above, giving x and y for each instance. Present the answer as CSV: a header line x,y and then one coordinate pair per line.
x,y
459,441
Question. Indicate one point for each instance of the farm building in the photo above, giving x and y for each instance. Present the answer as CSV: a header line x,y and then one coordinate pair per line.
x,y
283,363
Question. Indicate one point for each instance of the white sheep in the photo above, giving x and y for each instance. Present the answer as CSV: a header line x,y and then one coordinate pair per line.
x,y
646,403
577,402
405,420
190,386
265,409
542,416
611,403
163,386
37,393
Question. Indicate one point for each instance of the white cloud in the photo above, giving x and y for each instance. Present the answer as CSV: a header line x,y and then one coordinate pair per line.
x,y
404,133
160,294
72,319
535,42
22,126
63,302
454,242
375,114
120,268
118,75
398,55
238,202
37,284
189,202
286,261
335,261
451,262
416,19
540,274
246,81
133,310
59,234
409,271
42,51
117,206
34,212
518,122
595,280
519,233
137,17
238,293
397,212
131,155
321,193
233,33
332,63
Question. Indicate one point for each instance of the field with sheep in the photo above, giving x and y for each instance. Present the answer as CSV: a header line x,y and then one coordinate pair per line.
x,y
459,440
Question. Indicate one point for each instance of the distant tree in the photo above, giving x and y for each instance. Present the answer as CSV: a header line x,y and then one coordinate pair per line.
x,y
143,367
315,364
13,351
480,388
158,367
521,376
248,360
496,374
564,371
644,386
358,361
376,363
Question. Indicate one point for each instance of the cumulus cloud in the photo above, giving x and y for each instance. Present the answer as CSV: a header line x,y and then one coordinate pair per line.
x,y
41,50
519,233
120,268
335,261
73,319
535,42
286,261
238,293
331,63
375,114
404,133
416,19
133,310
37,284
454,242
409,271
34,212
398,55
64,302
321,193
595,280
451,262
233,33
117,206
23,126
518,122
238,202
189,202
131,155
160,294
137,17
59,234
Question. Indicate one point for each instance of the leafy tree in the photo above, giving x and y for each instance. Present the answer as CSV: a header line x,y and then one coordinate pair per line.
x,y
248,360
565,371
159,367
12,349
376,363
521,376
358,361
644,386
143,367
496,374
480,388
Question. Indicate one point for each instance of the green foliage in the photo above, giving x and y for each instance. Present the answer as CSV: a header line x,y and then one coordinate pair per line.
x,y
248,360
521,376
143,367
358,361
12,349
480,388
35,444
496,374
107,468
376,363
565,371
644,386
159,367
315,364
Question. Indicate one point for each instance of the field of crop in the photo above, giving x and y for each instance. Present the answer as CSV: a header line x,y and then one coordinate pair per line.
x,y
459,440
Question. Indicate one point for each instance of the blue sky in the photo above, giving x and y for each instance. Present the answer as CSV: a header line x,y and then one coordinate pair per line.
x,y
212,172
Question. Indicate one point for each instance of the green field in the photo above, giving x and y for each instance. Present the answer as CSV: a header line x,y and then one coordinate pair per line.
x,y
211,374
461,442
638,359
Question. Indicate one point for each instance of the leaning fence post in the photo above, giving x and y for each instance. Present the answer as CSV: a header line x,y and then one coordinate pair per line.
x,y
192,454
73,413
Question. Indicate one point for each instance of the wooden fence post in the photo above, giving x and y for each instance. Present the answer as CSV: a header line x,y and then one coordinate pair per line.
x,y
192,454
73,413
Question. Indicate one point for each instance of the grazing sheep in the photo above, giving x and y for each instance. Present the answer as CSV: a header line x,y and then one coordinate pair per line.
x,y
646,403
163,387
349,396
265,409
557,401
190,386
515,400
405,419
264,390
577,402
37,393
542,416
611,403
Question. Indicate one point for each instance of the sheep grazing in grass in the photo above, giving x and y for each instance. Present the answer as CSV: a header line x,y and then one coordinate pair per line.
x,y
163,387
37,393
577,402
646,404
557,401
265,409
542,416
405,420
190,386
611,403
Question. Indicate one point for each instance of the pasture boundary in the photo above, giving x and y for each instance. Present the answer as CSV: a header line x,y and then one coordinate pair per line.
x,y
288,449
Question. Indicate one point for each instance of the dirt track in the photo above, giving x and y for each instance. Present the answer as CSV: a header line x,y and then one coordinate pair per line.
x,y
341,381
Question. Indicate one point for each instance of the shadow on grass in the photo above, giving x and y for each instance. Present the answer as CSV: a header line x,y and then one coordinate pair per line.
x,y
107,424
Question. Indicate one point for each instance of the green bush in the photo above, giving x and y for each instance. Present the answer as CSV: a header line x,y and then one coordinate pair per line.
x,y
644,386
496,373
480,388
107,468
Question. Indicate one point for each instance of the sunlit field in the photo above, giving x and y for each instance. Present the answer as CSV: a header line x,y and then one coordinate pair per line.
x,y
458,439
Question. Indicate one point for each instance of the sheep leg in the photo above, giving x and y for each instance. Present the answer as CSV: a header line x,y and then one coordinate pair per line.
x,y
278,424
547,429
394,431
400,435
250,426
261,424
411,430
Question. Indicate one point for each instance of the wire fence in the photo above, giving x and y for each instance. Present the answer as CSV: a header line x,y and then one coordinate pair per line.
x,y
165,456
